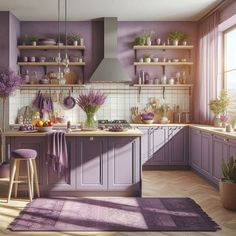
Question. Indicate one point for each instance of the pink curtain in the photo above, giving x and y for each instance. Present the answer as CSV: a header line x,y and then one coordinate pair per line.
x,y
207,61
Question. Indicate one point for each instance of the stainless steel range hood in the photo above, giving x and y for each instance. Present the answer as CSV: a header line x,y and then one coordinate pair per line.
x,y
110,68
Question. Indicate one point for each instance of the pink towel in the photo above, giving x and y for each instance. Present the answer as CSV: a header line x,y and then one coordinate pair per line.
x,y
57,152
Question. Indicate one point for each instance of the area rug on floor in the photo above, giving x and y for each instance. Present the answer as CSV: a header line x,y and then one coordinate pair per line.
x,y
113,214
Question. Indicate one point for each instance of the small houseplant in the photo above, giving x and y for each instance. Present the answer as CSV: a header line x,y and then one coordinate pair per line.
x,y
228,184
73,39
177,36
163,112
144,38
147,58
219,106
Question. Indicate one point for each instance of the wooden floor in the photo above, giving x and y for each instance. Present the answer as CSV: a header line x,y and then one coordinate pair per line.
x,y
155,184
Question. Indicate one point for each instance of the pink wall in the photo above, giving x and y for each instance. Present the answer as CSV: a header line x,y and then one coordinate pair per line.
x,y
228,12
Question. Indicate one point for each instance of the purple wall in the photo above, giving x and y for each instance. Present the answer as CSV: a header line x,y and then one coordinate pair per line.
x,y
92,32
89,30
127,31
4,39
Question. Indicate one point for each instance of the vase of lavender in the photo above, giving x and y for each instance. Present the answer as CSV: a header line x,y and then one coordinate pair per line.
x,y
90,103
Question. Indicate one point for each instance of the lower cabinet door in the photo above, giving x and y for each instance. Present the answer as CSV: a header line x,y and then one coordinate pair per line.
x,y
124,164
144,145
220,153
195,149
158,146
206,154
65,181
178,146
91,163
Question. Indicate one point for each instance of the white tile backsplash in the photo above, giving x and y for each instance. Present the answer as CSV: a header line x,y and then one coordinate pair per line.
x,y
120,98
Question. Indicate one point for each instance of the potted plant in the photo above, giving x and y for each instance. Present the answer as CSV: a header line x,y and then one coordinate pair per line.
x,y
228,184
219,106
163,112
31,40
177,36
147,58
73,39
148,36
140,40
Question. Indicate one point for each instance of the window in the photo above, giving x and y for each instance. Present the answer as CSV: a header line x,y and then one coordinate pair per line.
x,y
230,67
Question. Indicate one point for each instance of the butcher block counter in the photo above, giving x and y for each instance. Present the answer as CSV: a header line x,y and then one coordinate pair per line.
x,y
101,163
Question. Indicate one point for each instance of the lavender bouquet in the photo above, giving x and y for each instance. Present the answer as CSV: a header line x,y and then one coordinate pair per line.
x,y
9,82
90,102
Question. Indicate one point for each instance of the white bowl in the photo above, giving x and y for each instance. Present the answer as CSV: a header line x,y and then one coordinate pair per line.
x,y
45,129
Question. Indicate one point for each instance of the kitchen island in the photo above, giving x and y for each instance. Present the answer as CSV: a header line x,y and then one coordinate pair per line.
x,y
101,163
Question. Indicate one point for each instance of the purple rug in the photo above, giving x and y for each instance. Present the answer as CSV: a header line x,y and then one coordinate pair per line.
x,y
113,214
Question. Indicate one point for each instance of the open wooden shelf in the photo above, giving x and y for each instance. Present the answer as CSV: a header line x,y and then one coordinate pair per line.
x,y
163,63
162,47
50,86
49,47
49,64
163,85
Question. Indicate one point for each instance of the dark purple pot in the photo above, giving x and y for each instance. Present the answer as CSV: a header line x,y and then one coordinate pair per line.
x,y
5,170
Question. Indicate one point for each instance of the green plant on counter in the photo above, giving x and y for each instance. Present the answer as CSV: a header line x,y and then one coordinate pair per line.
x,y
229,170
220,104
178,35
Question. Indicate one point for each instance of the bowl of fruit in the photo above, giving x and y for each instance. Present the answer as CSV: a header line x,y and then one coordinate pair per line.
x,y
44,125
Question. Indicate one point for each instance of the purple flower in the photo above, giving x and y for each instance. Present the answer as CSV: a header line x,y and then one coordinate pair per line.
x,y
147,116
91,101
224,118
9,82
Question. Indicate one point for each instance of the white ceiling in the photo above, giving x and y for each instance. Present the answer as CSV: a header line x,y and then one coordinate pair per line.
x,y
125,10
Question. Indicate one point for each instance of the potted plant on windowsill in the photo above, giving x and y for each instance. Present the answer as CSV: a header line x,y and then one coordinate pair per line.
x,y
228,184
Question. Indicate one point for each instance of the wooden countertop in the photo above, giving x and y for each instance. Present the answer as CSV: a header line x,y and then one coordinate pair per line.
x,y
129,133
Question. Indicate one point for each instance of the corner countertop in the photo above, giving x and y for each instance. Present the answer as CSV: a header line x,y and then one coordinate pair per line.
x,y
103,133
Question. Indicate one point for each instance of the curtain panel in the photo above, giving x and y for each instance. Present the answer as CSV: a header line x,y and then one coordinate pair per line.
x,y
206,81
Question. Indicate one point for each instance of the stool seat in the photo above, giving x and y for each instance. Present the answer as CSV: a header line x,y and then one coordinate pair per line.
x,y
24,153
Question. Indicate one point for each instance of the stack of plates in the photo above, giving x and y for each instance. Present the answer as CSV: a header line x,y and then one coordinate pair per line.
x,y
47,41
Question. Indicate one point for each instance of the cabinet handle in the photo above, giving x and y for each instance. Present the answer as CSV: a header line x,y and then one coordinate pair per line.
x,y
46,163
91,139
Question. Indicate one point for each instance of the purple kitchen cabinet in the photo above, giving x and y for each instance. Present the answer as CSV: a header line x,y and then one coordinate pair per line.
x,y
91,163
178,145
206,154
36,143
158,146
220,152
232,147
124,164
144,144
65,181
195,149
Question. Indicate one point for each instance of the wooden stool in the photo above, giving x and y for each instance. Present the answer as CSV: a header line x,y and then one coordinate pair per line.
x,y
29,156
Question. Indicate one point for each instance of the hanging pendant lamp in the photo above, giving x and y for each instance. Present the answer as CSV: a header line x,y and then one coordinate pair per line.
x,y
66,69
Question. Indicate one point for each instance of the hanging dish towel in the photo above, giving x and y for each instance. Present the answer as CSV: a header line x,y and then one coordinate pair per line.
x,y
57,153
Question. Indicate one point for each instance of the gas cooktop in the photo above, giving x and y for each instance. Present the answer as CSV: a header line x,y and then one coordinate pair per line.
x,y
104,124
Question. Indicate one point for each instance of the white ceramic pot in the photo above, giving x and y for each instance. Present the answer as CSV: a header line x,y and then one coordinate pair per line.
x,y
175,42
75,43
148,59
164,120
149,42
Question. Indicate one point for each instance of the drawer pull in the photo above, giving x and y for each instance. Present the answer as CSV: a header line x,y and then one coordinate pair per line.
x,y
91,139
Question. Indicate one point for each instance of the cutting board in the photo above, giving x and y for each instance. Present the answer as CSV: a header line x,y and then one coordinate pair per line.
x,y
71,77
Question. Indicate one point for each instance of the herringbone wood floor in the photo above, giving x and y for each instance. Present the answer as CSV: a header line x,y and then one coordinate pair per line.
x,y
155,184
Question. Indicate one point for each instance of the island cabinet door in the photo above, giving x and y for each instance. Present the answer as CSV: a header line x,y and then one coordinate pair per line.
x,y
195,149
178,145
124,164
91,163
144,144
64,181
206,154
158,146
219,153
36,143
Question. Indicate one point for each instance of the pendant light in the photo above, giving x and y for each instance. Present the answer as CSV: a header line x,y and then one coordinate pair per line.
x,y
66,69
58,59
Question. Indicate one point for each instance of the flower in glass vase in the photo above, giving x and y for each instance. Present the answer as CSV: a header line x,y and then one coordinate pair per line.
x,y
90,102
